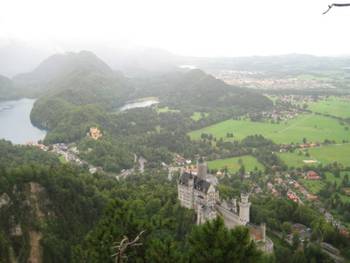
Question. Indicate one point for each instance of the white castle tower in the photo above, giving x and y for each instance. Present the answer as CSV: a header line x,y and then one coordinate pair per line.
x,y
244,208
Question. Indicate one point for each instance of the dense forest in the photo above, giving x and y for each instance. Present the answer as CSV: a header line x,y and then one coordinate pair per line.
x,y
78,217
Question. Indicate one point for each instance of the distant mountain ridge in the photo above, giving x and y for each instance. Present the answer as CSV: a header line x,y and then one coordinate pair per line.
x,y
196,88
83,78
79,89
58,66
289,63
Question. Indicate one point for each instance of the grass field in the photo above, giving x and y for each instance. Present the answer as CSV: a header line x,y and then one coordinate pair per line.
x,y
233,164
166,109
313,127
331,153
294,159
334,106
324,155
196,116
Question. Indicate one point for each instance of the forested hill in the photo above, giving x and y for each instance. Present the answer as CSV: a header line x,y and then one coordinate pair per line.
x,y
82,78
82,87
79,90
7,90
196,88
36,82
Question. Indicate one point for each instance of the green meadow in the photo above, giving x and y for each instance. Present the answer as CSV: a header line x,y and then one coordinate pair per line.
x,y
294,159
313,127
325,154
335,106
166,109
196,116
233,164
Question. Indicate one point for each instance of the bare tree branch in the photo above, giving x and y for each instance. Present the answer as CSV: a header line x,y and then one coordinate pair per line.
x,y
337,5
124,245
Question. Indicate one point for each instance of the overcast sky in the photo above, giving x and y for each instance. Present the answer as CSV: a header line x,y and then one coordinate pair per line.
x,y
186,27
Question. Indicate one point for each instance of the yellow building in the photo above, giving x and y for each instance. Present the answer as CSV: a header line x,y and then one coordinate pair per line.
x,y
95,133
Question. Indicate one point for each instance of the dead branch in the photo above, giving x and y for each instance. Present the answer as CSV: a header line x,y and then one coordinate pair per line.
x,y
124,244
336,5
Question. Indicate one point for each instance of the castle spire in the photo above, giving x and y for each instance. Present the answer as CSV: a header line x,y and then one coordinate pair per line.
x,y
202,168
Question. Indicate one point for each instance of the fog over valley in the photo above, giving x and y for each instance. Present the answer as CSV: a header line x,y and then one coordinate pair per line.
x,y
174,131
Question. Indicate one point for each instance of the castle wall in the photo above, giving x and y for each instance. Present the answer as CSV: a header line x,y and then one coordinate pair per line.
x,y
231,219
185,195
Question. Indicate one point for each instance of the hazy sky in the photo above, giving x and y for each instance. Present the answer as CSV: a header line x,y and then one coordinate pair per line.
x,y
188,27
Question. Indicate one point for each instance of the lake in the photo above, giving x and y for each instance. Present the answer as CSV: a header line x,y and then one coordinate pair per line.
x,y
15,124
142,103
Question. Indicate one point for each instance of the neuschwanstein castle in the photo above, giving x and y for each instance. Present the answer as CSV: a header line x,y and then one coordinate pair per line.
x,y
196,190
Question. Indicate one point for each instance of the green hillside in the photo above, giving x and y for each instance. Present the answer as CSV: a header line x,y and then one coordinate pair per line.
x,y
334,106
323,155
312,127
234,164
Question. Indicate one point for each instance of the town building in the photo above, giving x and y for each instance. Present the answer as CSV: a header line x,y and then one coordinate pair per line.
x,y
95,133
312,175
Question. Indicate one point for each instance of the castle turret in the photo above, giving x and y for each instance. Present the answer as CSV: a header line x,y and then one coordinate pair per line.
x,y
244,209
263,232
234,205
202,169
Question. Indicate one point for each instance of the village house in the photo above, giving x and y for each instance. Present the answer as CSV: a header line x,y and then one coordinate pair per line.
x,y
179,160
292,196
312,175
95,133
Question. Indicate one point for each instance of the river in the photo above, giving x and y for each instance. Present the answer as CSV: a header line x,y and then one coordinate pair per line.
x,y
15,124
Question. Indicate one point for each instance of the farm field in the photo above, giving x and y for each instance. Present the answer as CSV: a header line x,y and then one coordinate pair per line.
x,y
166,109
334,106
314,128
324,155
294,159
196,116
233,164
